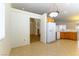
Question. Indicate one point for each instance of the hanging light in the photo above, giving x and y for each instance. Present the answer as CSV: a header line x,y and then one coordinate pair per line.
x,y
53,14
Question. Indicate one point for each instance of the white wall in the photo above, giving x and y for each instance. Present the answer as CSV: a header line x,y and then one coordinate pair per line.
x,y
5,43
2,21
70,25
21,27
43,26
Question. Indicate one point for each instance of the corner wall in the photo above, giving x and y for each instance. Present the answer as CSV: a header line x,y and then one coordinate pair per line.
x,y
21,27
5,42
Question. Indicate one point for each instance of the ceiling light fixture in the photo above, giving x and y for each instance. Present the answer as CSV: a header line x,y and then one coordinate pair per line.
x,y
54,14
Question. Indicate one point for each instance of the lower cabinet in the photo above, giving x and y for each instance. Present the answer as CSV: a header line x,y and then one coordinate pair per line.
x,y
68,35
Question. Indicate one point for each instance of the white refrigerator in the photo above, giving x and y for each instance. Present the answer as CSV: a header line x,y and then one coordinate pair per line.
x,y
51,32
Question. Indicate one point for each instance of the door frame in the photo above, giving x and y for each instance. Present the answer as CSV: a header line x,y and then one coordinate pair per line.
x,y
29,27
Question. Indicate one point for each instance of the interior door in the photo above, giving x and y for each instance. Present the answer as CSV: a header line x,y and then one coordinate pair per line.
x,y
43,28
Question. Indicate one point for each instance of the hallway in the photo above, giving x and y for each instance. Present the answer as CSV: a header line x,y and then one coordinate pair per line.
x,y
34,38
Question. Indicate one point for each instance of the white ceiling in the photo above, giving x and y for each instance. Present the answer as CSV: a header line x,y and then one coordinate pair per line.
x,y
66,10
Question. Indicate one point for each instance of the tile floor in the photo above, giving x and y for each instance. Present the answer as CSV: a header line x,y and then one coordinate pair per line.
x,y
58,48
34,38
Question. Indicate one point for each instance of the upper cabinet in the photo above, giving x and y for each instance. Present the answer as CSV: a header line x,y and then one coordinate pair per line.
x,y
50,19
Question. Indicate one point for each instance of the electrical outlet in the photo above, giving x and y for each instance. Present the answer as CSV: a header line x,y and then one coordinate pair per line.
x,y
24,39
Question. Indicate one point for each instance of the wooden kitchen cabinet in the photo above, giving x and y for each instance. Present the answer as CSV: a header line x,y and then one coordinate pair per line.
x,y
51,19
68,35
63,35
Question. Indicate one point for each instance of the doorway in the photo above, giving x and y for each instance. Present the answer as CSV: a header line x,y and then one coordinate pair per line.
x,y
34,30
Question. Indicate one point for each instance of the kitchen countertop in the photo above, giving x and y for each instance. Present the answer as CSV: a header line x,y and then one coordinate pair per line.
x,y
67,31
